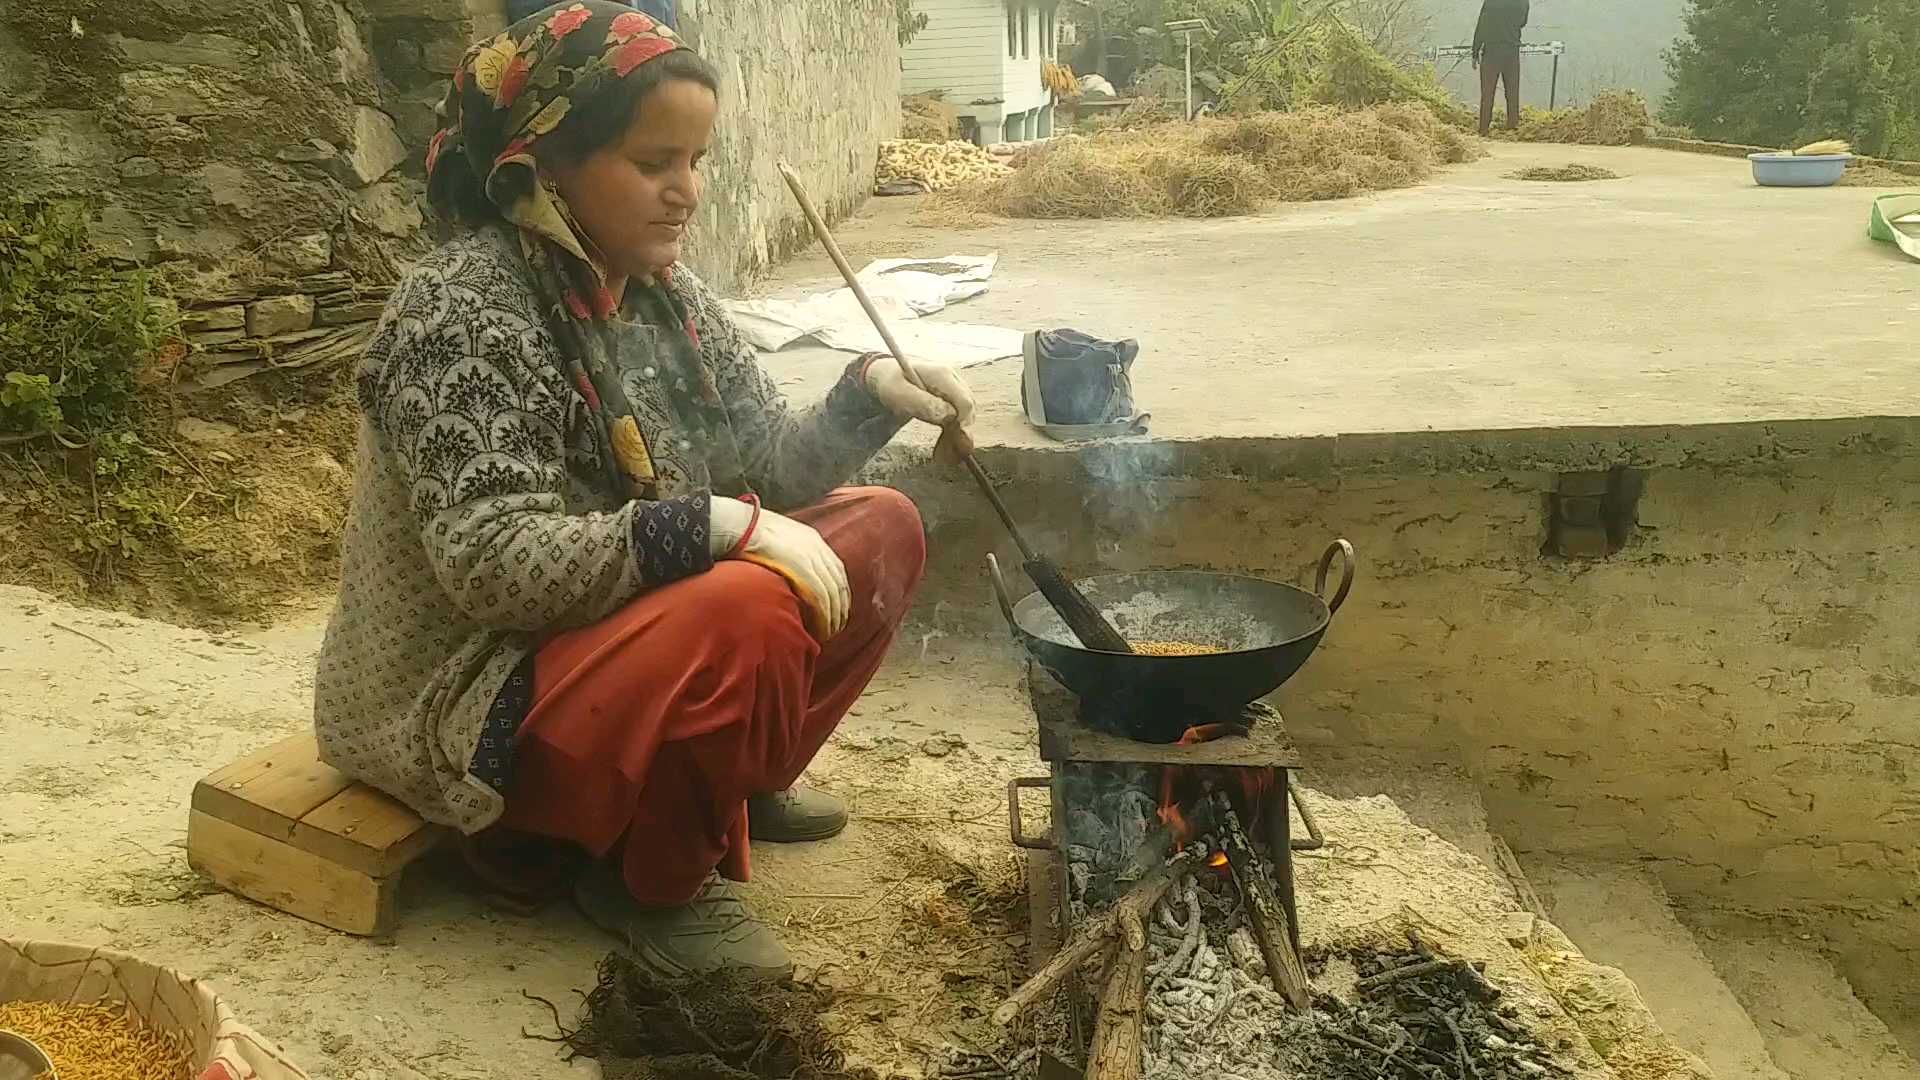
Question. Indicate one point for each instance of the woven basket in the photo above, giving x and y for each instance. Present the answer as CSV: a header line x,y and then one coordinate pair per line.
x,y
223,1047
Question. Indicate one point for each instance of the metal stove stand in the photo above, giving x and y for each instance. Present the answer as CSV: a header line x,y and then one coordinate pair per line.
x,y
1065,738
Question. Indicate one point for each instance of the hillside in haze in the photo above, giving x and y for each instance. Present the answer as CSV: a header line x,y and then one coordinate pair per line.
x,y
1609,43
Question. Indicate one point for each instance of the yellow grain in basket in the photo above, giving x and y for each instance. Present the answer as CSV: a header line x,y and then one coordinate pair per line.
x,y
97,1042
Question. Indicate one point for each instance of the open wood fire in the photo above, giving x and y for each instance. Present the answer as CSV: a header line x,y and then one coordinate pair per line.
x,y
1164,877
1168,869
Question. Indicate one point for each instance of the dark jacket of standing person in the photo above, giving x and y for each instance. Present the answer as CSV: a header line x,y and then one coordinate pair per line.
x,y
1501,22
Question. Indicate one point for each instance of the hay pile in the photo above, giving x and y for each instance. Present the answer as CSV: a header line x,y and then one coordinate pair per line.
x,y
728,1026
1615,118
1142,112
1568,174
1324,61
1872,174
1224,167
927,118
935,166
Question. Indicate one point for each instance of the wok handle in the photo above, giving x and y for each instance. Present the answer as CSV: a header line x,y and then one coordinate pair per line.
x,y
1000,593
1345,551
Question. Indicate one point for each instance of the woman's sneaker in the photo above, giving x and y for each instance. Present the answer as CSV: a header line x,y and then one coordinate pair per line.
x,y
795,816
712,932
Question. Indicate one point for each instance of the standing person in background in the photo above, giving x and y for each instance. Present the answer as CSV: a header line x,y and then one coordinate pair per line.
x,y
1496,52
666,11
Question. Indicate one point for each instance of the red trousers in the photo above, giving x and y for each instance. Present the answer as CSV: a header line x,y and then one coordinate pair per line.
x,y
649,729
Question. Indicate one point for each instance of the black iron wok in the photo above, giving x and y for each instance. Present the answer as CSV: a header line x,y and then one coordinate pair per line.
x,y
1267,629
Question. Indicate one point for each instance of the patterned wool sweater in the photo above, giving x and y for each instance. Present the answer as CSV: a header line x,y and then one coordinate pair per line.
x,y
482,521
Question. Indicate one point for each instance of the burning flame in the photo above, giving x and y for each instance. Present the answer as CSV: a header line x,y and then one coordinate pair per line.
x,y
1178,784
1170,814
1217,860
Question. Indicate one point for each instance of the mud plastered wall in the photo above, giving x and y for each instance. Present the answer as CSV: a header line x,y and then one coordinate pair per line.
x,y
1731,698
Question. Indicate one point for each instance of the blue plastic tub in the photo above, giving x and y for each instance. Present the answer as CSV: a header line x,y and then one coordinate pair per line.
x,y
1798,170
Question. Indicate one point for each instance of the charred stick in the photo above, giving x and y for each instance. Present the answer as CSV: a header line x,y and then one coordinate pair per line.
x,y
1410,971
1189,940
1124,921
1474,975
1386,1056
1467,1068
1264,914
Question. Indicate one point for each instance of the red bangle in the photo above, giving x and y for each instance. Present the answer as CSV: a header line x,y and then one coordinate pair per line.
x,y
752,523
866,365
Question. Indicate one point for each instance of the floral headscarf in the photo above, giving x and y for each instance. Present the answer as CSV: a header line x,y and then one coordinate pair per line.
x,y
509,92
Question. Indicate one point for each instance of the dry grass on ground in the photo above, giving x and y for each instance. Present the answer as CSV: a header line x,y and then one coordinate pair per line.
x,y
1874,175
1223,167
255,481
1613,118
1568,174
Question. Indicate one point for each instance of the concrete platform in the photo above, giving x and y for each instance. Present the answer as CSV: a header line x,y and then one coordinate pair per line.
x,y
1681,295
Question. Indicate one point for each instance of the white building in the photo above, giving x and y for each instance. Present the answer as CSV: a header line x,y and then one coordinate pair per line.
x,y
985,56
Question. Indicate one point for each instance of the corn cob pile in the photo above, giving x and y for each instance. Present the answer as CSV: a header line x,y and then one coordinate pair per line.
x,y
936,166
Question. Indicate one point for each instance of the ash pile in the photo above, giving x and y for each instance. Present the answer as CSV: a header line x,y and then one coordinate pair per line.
x,y
1405,1015
1182,960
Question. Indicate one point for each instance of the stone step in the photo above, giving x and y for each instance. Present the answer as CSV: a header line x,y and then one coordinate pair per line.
x,y
1622,916
1813,1024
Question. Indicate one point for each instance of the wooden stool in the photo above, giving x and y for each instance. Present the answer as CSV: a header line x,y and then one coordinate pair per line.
x,y
284,828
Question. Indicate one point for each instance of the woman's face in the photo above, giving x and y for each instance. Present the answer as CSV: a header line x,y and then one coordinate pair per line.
x,y
634,196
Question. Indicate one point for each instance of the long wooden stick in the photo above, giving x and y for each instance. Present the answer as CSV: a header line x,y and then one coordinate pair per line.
x,y
1115,1053
1087,623
958,440
1265,915
1125,922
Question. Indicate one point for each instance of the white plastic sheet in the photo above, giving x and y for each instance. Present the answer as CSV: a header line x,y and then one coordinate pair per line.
x,y
903,290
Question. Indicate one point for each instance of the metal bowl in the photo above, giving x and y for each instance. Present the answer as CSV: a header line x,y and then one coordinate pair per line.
x,y
1264,629
21,1060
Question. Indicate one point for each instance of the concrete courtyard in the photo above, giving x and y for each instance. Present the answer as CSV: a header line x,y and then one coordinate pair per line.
x,y
1681,294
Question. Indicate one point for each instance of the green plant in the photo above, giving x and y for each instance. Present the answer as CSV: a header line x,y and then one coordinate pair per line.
x,y
74,333
1783,72
75,336
910,22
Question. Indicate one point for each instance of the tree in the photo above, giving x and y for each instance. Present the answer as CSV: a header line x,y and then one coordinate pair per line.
x,y
911,22
1398,28
1777,72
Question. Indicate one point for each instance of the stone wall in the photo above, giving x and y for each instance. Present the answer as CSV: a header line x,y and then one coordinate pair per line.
x,y
206,130
269,143
1730,698
246,145
816,83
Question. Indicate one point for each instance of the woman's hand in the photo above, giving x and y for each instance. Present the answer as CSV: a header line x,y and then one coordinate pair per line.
x,y
792,549
946,402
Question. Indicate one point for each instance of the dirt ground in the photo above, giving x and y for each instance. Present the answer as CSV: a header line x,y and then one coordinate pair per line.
x,y
915,913
113,719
